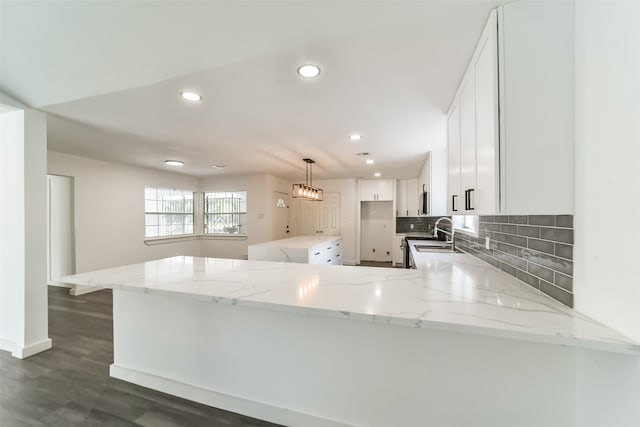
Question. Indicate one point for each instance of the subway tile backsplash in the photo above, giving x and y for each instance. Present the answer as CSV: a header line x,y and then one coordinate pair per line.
x,y
420,223
536,249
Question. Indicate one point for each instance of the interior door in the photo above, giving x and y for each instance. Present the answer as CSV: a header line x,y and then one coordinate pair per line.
x,y
329,214
281,203
309,218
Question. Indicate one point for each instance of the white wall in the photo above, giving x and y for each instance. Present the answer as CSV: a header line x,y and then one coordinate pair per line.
x,y
109,211
23,292
607,197
260,224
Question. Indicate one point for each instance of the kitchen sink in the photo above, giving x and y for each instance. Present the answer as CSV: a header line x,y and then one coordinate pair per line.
x,y
441,247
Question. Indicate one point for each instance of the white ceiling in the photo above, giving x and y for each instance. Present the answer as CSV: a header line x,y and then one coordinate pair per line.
x,y
110,74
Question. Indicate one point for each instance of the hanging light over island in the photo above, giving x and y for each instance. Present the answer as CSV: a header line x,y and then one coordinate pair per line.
x,y
307,191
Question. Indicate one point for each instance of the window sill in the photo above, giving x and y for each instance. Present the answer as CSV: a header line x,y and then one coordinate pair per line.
x,y
224,237
150,241
169,239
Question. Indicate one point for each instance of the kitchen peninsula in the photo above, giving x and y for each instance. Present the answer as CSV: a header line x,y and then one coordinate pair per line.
x,y
451,343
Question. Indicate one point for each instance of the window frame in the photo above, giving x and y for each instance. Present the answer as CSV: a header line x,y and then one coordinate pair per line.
x,y
241,214
159,214
467,224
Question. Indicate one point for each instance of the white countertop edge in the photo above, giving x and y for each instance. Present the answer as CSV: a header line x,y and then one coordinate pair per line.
x,y
569,341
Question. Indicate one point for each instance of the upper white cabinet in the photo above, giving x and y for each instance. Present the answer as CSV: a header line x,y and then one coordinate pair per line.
x,y
424,186
510,132
374,190
407,197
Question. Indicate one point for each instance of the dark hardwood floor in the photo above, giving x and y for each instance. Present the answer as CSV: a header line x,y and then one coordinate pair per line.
x,y
69,385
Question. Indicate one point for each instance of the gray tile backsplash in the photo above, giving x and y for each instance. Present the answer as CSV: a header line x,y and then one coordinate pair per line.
x,y
420,223
536,249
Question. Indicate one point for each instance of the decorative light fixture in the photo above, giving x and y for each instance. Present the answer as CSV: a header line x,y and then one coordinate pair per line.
x,y
309,70
307,191
191,96
355,137
174,162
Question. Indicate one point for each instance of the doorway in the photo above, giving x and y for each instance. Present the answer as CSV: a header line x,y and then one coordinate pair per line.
x,y
281,203
60,229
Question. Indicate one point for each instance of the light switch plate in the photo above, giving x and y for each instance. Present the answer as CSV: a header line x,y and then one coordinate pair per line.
x,y
487,242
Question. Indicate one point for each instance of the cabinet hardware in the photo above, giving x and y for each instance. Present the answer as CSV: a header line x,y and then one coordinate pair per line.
x,y
328,260
329,248
317,253
471,208
453,203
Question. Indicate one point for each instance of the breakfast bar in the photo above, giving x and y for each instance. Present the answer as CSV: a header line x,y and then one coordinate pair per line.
x,y
451,343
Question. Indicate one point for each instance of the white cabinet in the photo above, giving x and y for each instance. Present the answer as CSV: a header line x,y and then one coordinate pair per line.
x,y
374,190
397,250
509,133
407,198
472,144
301,249
423,184
453,142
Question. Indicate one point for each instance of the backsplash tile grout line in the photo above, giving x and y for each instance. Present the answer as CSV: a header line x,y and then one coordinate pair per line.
x,y
518,248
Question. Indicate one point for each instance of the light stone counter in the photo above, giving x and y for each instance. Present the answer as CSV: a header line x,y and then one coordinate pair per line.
x,y
449,291
454,343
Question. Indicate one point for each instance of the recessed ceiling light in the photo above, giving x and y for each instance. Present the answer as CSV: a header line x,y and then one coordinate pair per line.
x,y
173,162
369,161
308,70
190,96
377,174
355,137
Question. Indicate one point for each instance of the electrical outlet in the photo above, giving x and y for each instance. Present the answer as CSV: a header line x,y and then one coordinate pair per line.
x,y
487,243
411,226
373,250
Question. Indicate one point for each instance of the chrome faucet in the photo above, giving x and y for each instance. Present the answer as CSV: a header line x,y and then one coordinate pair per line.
x,y
451,234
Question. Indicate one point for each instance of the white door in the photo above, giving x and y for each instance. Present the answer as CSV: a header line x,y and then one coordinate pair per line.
x,y
60,234
309,218
329,214
281,203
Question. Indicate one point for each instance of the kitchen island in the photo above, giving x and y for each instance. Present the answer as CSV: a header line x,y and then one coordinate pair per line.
x,y
454,343
303,249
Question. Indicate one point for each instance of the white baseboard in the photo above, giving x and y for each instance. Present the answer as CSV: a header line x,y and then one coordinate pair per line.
x,y
31,349
7,345
81,290
348,262
219,400
59,284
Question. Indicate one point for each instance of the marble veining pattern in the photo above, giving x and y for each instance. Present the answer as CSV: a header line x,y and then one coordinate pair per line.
x,y
448,291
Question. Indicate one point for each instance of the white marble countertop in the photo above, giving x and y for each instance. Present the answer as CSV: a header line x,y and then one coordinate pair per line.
x,y
450,291
300,241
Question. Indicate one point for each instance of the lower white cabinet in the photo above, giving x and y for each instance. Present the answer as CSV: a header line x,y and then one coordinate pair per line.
x,y
301,249
397,251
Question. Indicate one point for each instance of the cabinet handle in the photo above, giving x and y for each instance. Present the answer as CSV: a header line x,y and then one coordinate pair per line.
x,y
466,200
328,260
471,208
407,212
329,248
317,253
453,203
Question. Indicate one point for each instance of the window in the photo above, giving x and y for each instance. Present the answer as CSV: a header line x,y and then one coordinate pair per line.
x,y
466,223
225,212
168,212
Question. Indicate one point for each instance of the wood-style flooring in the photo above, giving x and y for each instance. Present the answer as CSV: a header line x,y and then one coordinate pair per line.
x,y
69,385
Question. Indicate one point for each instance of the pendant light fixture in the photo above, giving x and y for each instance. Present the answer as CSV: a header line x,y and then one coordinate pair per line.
x,y
307,191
